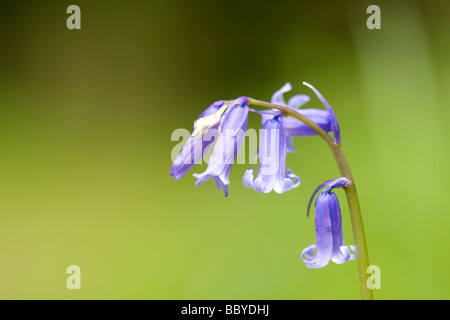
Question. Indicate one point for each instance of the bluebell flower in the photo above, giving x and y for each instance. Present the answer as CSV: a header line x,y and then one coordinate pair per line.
x,y
325,119
232,133
333,119
272,172
328,225
205,131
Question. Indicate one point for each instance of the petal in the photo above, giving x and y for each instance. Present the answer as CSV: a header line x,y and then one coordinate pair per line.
x,y
201,178
289,182
272,174
247,179
269,155
341,253
295,127
228,143
212,109
333,119
339,256
225,174
221,185
323,227
270,147
229,140
295,179
309,256
268,116
195,148
187,158
277,97
264,183
283,182
345,254
192,153
221,180
298,100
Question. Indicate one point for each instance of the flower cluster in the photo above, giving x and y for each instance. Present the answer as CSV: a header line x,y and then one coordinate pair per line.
x,y
225,123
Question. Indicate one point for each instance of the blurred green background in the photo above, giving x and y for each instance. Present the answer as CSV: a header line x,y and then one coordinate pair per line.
x,y
86,118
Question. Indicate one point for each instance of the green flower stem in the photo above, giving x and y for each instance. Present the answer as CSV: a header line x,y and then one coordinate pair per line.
x,y
350,191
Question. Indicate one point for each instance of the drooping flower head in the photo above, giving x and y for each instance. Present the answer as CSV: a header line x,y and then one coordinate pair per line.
x,y
328,225
272,172
232,133
205,131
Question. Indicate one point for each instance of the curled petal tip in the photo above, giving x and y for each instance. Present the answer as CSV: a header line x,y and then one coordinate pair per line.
x,y
334,123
